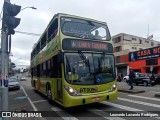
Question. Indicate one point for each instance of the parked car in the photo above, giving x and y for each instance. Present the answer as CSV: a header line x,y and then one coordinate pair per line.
x,y
13,84
126,78
23,79
145,79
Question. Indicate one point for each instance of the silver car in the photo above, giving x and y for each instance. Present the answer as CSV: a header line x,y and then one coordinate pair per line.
x,y
13,84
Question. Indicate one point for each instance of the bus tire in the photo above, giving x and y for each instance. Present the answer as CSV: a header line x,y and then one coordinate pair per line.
x,y
49,93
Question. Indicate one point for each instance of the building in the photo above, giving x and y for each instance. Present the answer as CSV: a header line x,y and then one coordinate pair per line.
x,y
146,60
125,43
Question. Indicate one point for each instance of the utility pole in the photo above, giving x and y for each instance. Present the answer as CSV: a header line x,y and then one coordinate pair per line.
x,y
8,24
4,66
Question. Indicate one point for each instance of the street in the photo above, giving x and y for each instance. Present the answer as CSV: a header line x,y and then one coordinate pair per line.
x,y
26,99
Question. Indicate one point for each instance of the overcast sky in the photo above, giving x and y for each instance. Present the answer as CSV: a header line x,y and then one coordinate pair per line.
x,y
122,16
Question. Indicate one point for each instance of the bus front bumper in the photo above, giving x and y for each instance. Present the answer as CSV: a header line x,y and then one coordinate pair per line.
x,y
70,101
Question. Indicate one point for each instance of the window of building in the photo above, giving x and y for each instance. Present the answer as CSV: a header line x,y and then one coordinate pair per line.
x,y
117,59
146,41
140,41
152,43
135,48
152,61
117,39
118,48
133,38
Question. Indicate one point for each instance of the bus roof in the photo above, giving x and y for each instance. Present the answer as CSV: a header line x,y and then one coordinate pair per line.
x,y
65,15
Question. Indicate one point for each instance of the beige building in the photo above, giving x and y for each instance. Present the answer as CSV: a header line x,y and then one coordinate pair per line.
x,y
125,43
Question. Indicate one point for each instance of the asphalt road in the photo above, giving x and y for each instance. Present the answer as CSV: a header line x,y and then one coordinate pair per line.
x,y
127,104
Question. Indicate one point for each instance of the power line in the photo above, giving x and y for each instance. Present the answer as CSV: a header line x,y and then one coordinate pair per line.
x,y
27,33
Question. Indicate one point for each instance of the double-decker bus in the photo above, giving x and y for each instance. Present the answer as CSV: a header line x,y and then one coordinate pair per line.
x,y
73,63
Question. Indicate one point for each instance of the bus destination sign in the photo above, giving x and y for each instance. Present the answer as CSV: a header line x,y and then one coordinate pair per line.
x,y
85,45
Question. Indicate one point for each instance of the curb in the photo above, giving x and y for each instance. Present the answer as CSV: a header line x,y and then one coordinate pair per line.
x,y
157,95
131,91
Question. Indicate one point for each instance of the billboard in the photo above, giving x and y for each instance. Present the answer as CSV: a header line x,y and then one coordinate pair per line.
x,y
144,54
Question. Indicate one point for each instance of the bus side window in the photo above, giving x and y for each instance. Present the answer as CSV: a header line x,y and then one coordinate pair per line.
x,y
52,30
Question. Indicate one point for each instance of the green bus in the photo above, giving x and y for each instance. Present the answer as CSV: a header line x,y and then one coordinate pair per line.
x,y
73,62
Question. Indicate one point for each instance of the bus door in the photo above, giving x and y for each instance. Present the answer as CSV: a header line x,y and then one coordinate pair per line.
x,y
59,76
59,88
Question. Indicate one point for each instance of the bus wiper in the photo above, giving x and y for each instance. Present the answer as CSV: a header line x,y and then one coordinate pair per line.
x,y
84,59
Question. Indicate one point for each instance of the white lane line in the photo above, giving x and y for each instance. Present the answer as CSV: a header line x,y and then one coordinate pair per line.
x,y
34,107
103,114
38,101
154,91
121,106
148,98
63,113
125,107
140,102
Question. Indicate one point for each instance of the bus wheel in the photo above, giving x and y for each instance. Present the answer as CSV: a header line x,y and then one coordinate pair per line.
x,y
49,94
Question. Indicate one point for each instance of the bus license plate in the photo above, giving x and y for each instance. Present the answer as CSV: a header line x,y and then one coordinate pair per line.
x,y
96,99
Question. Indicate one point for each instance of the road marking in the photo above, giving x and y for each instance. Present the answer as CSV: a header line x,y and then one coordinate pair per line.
x,y
125,107
154,91
21,97
103,114
34,107
121,106
148,98
63,113
38,101
140,102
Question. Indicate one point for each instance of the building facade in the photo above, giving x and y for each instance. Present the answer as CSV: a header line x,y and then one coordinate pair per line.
x,y
146,60
125,43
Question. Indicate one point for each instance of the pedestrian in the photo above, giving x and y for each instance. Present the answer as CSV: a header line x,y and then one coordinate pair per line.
x,y
121,77
131,77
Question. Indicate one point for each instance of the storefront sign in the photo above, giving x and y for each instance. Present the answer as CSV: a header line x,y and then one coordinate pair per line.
x,y
144,54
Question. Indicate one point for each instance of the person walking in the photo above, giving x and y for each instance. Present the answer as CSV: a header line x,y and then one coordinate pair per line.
x,y
131,77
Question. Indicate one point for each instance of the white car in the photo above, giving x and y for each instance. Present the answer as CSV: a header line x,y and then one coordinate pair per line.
x,y
13,84
126,78
23,79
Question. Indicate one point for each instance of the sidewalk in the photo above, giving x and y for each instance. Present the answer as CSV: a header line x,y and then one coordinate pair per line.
x,y
124,87
17,101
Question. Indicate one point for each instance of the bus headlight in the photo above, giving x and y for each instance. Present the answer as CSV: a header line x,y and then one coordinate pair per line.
x,y
72,91
114,86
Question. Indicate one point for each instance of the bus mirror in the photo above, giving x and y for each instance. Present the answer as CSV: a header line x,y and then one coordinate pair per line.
x,y
60,57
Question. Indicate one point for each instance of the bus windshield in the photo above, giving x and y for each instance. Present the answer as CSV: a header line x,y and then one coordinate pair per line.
x,y
84,29
89,69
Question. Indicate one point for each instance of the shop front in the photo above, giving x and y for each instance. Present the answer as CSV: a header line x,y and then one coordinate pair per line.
x,y
146,60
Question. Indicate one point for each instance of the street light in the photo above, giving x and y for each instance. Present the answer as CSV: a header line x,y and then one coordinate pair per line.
x,y
29,7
